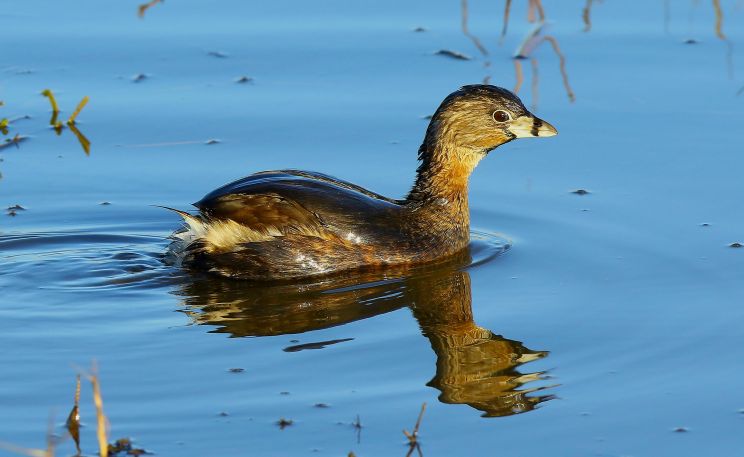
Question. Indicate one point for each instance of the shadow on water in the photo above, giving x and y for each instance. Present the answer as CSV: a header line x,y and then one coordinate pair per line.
x,y
475,366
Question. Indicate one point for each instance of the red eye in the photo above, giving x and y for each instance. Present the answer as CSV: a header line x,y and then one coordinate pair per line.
x,y
501,116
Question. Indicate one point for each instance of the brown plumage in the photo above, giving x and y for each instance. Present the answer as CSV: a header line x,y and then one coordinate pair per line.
x,y
289,224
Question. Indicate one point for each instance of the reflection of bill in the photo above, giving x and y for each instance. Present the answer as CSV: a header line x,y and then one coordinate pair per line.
x,y
474,366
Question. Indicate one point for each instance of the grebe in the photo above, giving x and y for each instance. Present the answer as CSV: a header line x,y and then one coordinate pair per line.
x,y
290,224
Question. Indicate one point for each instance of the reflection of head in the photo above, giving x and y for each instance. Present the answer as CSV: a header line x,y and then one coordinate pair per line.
x,y
474,366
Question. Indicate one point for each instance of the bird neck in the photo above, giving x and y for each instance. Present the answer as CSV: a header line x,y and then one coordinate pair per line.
x,y
442,177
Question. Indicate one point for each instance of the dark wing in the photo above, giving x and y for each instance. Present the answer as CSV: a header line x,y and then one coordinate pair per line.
x,y
261,211
291,178
299,198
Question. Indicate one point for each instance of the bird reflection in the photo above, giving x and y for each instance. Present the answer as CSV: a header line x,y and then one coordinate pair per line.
x,y
474,366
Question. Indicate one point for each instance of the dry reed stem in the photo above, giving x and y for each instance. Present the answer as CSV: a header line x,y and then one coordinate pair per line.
x,y
507,8
73,420
101,421
535,5
79,108
586,15
50,438
48,94
535,83
84,142
557,49
466,32
413,436
719,19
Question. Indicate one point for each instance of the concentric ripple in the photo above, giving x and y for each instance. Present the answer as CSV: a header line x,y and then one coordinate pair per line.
x,y
82,260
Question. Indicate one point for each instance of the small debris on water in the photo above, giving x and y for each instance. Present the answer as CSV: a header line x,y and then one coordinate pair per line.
x,y
244,80
294,341
105,203
580,192
123,446
138,78
691,41
236,370
705,224
326,405
681,430
284,393
315,345
284,423
15,141
736,244
218,54
452,54
212,141
223,414
419,29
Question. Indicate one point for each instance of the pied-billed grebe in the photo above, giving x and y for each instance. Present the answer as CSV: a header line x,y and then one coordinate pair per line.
x,y
290,224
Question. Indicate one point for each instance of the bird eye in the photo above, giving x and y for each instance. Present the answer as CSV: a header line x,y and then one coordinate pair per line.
x,y
501,116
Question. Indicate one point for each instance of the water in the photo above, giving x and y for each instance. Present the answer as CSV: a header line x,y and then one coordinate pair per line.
x,y
613,320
